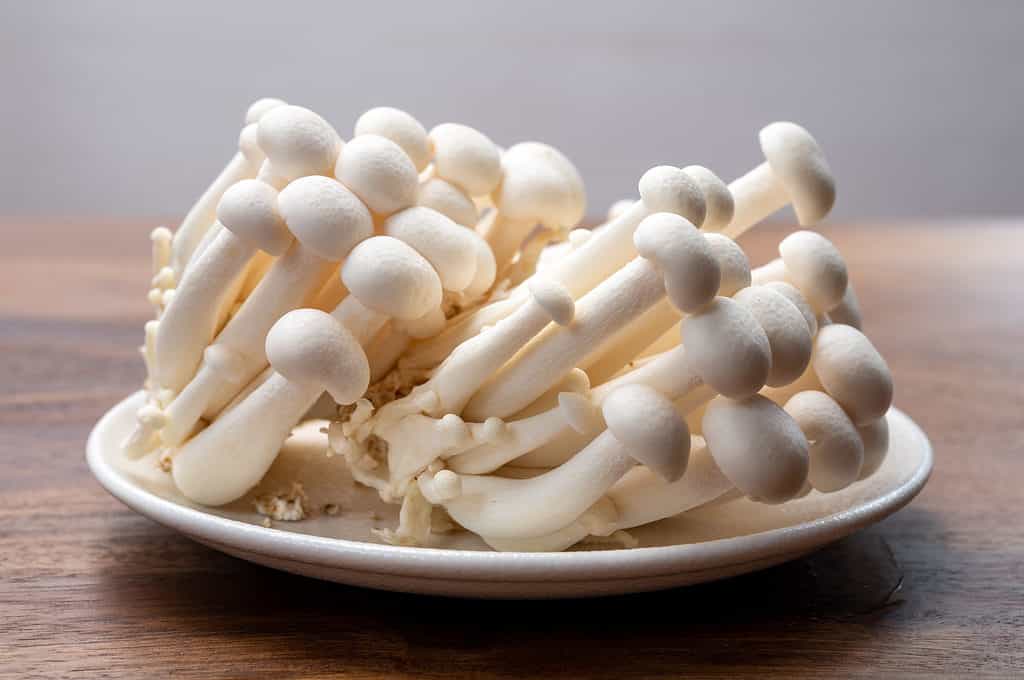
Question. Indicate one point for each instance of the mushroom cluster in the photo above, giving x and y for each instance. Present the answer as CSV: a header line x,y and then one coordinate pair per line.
x,y
489,364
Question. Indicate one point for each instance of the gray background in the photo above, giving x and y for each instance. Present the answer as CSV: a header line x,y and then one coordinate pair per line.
x,y
129,109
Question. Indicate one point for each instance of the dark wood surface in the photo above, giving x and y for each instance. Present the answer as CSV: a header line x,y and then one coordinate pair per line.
x,y
88,587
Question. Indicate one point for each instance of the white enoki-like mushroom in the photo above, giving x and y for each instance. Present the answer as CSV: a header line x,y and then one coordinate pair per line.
x,y
467,348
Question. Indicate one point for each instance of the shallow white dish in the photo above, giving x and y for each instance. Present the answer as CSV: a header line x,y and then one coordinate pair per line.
x,y
703,545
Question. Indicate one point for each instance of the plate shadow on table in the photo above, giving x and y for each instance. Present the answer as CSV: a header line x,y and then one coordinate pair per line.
x,y
841,595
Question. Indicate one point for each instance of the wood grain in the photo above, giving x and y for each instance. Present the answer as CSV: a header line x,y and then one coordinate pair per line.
x,y
90,589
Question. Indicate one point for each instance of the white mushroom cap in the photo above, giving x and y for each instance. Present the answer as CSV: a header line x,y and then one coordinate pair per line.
x,y
310,347
449,248
717,197
647,425
836,449
853,372
486,268
325,216
875,436
726,346
799,163
619,207
427,326
539,183
553,298
447,199
261,107
379,173
666,188
401,128
249,143
757,446
787,332
683,256
298,142
848,310
814,266
391,278
249,210
732,263
799,301
466,157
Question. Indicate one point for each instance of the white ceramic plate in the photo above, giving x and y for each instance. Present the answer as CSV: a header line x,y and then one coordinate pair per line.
x,y
702,545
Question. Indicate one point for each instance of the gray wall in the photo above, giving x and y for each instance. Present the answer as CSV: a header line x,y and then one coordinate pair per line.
x,y
129,109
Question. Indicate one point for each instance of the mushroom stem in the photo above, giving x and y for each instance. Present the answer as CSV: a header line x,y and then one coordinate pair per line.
x,y
504,235
757,194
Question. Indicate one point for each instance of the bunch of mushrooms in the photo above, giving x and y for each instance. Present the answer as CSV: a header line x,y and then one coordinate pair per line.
x,y
487,363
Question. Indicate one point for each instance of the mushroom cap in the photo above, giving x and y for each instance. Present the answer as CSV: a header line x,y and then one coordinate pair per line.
x,y
682,255
298,142
757,446
800,166
787,332
666,188
486,267
648,427
848,310
732,263
466,157
391,278
836,449
553,298
325,216
249,210
448,199
427,326
717,197
728,349
311,347
379,173
261,107
619,207
401,128
539,183
799,301
249,143
853,372
814,266
875,435
449,248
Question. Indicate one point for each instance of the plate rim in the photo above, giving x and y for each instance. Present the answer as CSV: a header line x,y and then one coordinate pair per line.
x,y
445,564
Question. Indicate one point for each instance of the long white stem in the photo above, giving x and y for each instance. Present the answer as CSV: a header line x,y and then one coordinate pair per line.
x,y
627,344
204,213
521,508
615,302
756,195
188,324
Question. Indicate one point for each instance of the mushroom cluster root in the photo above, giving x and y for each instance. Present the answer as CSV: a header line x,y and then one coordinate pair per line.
x,y
488,363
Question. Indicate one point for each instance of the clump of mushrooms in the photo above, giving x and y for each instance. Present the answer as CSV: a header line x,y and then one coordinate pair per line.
x,y
490,365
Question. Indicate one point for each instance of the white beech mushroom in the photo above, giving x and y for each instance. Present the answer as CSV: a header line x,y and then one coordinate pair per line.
x,y
539,185
328,221
853,372
401,128
449,200
836,448
310,352
662,189
674,261
249,212
643,427
729,353
813,264
751,445
794,171
297,143
243,165
379,172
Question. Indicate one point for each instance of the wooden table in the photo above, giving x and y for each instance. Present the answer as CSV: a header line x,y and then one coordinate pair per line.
x,y
88,586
